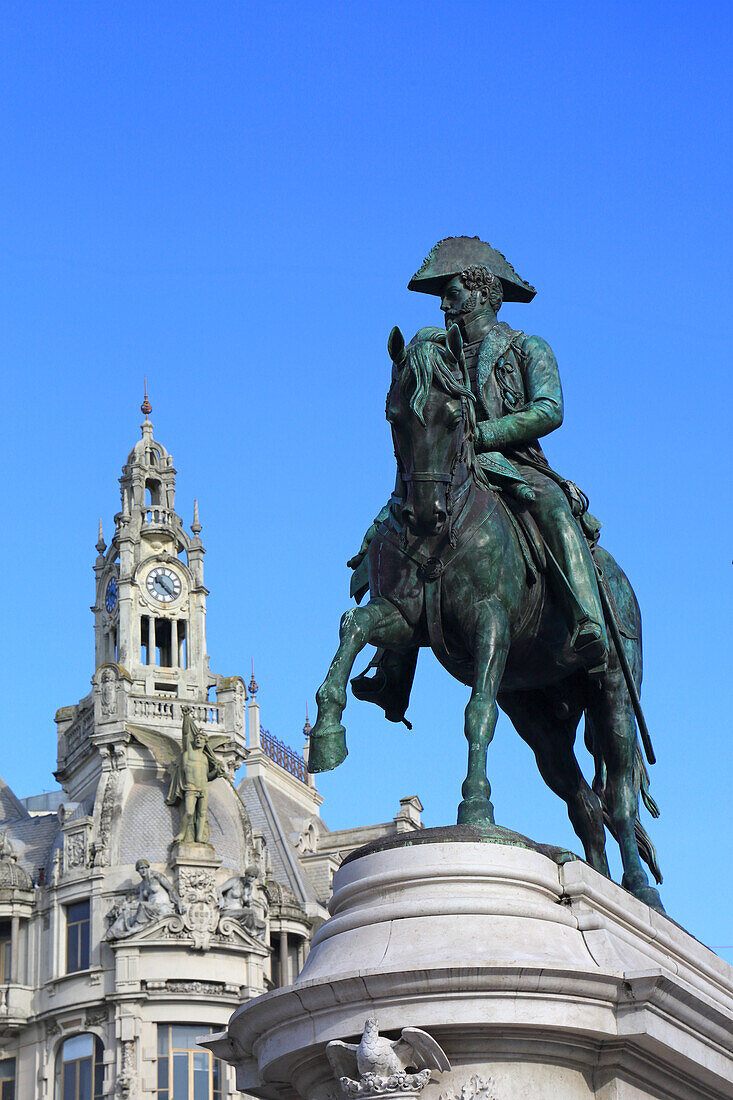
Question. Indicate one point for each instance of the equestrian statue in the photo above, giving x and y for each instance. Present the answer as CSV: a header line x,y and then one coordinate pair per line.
x,y
489,557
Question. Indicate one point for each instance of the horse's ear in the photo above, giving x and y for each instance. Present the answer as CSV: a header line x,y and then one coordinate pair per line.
x,y
396,346
455,342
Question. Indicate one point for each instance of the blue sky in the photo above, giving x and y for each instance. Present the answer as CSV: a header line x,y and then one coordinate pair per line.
x,y
230,199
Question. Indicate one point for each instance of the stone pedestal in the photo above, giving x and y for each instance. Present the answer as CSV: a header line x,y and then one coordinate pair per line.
x,y
538,977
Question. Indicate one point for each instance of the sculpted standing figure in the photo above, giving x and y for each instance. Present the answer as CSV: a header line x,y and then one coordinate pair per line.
x,y
516,383
191,766
190,782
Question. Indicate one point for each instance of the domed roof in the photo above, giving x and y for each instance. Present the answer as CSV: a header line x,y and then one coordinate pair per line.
x,y
12,875
148,451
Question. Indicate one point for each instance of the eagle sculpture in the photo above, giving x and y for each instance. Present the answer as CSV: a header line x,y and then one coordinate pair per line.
x,y
414,1050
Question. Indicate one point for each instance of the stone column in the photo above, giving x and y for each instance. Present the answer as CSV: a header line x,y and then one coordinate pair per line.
x,y
284,961
151,640
14,949
175,656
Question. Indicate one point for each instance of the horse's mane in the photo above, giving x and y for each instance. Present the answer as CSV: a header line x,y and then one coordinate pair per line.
x,y
427,359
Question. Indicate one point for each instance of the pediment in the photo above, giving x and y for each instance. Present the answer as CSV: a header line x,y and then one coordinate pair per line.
x,y
200,929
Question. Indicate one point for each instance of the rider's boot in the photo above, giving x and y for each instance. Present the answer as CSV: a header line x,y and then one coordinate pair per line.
x,y
577,591
391,684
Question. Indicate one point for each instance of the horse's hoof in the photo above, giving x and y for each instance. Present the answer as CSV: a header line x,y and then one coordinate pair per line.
x,y
475,811
327,747
650,896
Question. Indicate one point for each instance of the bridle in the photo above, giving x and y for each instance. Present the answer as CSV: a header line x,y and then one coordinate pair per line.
x,y
436,477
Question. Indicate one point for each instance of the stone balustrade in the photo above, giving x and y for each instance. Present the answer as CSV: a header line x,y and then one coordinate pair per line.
x,y
156,513
169,710
15,1005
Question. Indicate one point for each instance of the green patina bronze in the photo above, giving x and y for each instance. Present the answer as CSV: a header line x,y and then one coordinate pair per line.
x,y
489,557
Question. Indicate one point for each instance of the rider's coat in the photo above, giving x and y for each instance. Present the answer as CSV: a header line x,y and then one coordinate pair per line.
x,y
516,381
517,384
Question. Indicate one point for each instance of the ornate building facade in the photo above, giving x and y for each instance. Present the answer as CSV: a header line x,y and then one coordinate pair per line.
x,y
183,864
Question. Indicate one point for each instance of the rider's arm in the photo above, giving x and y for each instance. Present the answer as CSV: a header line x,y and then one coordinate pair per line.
x,y
543,409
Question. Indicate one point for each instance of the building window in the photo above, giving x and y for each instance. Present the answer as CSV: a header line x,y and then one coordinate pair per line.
x,y
80,1073
77,936
185,1070
7,1079
5,942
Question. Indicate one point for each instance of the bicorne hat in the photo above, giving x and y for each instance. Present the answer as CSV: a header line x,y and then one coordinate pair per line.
x,y
453,255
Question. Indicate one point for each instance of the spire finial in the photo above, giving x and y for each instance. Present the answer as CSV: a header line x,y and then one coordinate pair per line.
x,y
146,407
253,685
101,544
196,526
307,727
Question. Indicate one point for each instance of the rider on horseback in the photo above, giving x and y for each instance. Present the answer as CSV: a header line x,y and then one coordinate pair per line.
x,y
515,380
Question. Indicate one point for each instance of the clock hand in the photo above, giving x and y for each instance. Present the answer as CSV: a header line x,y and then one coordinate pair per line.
x,y
165,585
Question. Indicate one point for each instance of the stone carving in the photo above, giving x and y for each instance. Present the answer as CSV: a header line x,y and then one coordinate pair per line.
x,y
127,1075
100,857
76,850
154,898
237,902
308,839
377,1066
199,905
196,911
95,1017
210,989
475,1088
108,695
56,866
467,408
191,765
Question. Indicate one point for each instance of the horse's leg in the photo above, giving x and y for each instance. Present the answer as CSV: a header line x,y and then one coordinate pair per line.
x,y
378,623
491,645
551,738
615,728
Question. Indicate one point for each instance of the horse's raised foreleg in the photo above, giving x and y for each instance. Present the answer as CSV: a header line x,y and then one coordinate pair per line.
x,y
378,623
491,645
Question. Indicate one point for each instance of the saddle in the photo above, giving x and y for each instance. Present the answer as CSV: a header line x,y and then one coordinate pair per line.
x,y
528,535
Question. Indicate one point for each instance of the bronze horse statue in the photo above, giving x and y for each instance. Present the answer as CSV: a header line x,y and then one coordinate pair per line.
x,y
449,569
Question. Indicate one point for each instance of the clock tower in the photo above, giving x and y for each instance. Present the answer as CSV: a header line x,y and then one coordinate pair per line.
x,y
150,610
149,627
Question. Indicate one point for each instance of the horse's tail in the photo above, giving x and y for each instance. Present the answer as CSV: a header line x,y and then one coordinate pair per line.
x,y
641,782
647,851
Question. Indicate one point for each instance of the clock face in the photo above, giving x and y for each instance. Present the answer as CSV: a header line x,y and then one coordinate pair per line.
x,y
163,584
110,596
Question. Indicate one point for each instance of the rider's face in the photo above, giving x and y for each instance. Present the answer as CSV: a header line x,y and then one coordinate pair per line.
x,y
456,301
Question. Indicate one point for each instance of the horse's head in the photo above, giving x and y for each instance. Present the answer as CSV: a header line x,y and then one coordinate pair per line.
x,y
432,413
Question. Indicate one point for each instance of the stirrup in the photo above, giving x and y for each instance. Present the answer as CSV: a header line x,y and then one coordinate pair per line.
x,y
372,689
589,643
